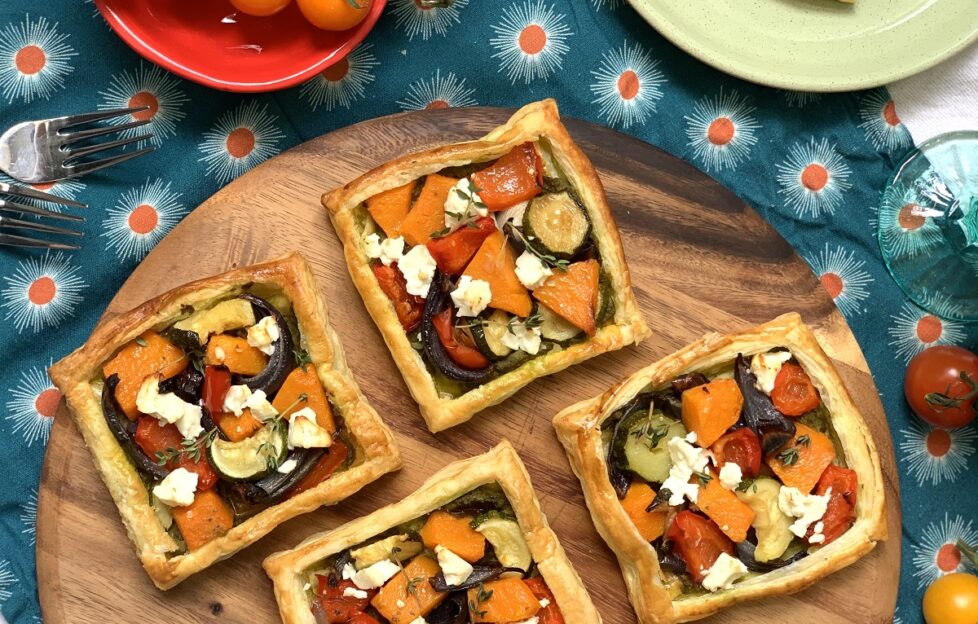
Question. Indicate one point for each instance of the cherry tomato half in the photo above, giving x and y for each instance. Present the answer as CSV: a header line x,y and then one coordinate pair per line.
x,y
217,382
458,345
408,307
952,599
793,393
699,541
334,14
549,614
260,8
841,510
740,447
339,607
941,385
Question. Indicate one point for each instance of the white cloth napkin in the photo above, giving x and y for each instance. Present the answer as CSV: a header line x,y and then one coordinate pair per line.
x,y
941,99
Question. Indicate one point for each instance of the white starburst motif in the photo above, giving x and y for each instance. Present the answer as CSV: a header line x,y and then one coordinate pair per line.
x,y
437,92
7,580
67,189
607,4
28,516
627,85
32,405
896,616
342,83
881,123
800,99
147,85
906,228
427,22
721,130
936,455
813,178
41,292
914,329
141,218
241,138
936,553
530,41
843,276
34,60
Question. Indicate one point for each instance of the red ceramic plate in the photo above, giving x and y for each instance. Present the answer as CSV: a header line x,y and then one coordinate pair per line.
x,y
211,43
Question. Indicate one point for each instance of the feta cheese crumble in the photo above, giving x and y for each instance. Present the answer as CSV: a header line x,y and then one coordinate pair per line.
x,y
455,569
373,576
177,488
807,508
305,432
463,204
731,475
418,620
686,460
353,592
418,268
471,296
766,367
263,334
168,408
287,466
219,355
544,603
531,271
388,252
724,571
236,399
519,337
260,407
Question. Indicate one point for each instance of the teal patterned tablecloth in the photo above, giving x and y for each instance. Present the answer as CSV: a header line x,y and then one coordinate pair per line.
x,y
813,165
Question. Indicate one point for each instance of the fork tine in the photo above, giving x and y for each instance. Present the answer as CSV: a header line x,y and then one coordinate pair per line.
x,y
10,222
11,206
24,241
81,135
75,120
26,191
78,169
101,147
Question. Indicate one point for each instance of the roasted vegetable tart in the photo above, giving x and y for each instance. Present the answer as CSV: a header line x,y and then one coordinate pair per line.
x,y
488,264
219,410
736,468
471,545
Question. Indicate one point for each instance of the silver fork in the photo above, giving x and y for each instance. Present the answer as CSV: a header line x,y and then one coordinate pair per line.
x,y
20,208
54,149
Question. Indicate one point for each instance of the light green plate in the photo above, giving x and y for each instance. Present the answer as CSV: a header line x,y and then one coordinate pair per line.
x,y
816,45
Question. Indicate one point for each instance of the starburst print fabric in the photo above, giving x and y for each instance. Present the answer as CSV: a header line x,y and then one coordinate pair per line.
x,y
812,164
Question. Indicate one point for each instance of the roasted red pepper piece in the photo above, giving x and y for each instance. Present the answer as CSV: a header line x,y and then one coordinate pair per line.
x,y
341,609
699,541
327,465
741,447
154,437
409,308
217,382
515,177
457,344
793,393
454,251
549,614
841,510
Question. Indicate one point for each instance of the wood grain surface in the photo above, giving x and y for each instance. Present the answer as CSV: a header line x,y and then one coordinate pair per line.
x,y
701,260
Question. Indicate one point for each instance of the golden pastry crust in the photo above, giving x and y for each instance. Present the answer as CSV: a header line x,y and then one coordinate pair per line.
x,y
539,121
289,569
579,430
377,452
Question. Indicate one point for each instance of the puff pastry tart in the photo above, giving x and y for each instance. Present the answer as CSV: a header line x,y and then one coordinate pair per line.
x,y
219,410
736,468
471,545
488,264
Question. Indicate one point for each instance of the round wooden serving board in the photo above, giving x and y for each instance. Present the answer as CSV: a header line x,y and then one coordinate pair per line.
x,y
700,259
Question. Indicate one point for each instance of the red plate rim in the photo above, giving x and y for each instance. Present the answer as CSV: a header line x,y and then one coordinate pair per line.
x,y
148,52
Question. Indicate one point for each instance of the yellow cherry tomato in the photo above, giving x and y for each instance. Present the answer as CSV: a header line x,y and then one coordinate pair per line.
x,y
334,14
260,8
952,599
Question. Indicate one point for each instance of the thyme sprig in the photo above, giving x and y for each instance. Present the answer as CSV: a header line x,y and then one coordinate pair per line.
x,y
653,434
190,448
548,259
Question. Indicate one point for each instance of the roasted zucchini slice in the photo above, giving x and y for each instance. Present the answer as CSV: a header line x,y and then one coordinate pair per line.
x,y
557,224
554,327
488,334
251,458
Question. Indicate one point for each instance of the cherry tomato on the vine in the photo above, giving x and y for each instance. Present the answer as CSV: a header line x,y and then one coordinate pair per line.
x,y
334,14
941,385
260,8
952,599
